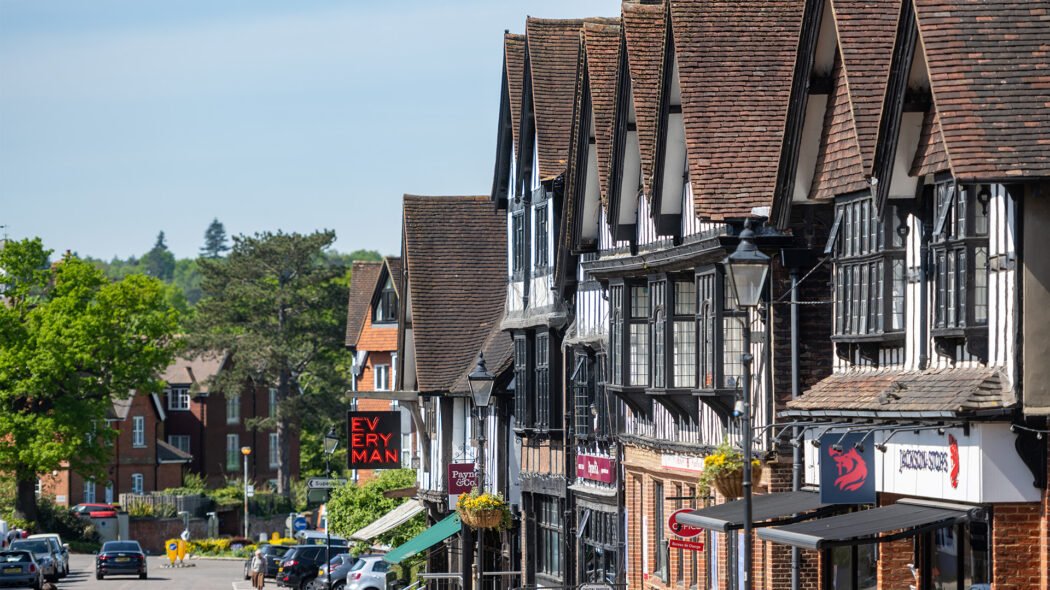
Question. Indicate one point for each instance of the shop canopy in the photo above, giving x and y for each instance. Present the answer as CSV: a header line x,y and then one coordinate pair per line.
x,y
425,540
389,521
903,519
766,510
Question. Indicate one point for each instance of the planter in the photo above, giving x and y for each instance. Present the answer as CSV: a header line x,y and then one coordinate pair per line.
x,y
731,484
482,519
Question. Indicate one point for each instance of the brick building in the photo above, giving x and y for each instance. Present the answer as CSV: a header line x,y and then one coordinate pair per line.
x,y
212,425
142,461
371,337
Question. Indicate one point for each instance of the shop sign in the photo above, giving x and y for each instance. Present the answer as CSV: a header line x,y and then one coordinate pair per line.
x,y
374,440
683,544
847,473
680,528
595,468
462,477
682,463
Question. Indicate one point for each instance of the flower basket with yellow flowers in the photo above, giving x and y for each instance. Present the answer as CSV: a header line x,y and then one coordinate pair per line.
x,y
724,469
482,510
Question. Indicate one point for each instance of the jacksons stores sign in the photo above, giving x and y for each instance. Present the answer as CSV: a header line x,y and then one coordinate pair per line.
x,y
373,440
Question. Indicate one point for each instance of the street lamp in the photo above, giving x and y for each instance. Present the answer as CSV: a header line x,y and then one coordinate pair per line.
x,y
331,441
747,268
246,451
481,381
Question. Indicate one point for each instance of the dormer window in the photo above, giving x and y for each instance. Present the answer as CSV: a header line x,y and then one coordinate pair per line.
x,y
386,306
960,254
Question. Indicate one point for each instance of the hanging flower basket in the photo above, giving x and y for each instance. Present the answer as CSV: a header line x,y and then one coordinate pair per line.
x,y
724,470
731,483
480,510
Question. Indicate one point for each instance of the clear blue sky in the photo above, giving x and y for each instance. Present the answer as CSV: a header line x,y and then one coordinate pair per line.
x,y
121,118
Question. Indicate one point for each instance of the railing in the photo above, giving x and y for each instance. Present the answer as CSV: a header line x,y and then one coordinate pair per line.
x,y
164,505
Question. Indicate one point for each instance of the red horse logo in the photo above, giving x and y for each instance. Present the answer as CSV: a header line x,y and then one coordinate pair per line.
x,y
853,471
953,451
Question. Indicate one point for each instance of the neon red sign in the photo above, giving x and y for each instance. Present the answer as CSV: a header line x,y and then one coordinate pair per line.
x,y
374,440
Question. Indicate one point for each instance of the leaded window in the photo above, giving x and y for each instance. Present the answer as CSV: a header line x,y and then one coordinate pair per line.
x,y
603,408
638,336
658,322
616,321
869,274
706,318
549,535
600,547
521,380
960,254
517,242
542,235
684,336
583,393
720,332
543,393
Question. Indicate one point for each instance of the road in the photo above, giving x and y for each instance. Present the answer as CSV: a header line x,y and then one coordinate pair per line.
x,y
206,574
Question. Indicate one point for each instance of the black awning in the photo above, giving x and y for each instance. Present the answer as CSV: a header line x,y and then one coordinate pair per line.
x,y
903,519
766,510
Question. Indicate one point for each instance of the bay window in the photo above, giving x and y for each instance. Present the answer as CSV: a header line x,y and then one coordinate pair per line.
x,y
638,335
960,254
720,331
684,336
658,321
522,378
616,313
542,376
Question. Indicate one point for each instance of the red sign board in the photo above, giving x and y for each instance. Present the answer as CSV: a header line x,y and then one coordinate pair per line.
x,y
683,544
680,528
374,440
595,468
462,477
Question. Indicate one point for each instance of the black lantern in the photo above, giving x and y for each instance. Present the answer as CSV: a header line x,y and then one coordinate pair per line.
x,y
481,382
747,268
331,441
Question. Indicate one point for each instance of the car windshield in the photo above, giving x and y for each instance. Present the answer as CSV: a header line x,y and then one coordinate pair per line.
x,y
360,565
122,546
15,556
34,546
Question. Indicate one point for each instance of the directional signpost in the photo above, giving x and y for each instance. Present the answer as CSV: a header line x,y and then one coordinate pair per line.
x,y
325,483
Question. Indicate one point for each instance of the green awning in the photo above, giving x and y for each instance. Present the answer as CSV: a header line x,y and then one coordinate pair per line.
x,y
425,540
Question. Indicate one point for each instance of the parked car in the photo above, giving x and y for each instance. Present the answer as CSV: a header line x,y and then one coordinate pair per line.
x,y
120,557
18,568
273,554
42,552
301,564
370,573
319,538
339,565
95,510
61,551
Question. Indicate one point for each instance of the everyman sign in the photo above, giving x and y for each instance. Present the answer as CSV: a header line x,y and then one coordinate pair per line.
x,y
374,440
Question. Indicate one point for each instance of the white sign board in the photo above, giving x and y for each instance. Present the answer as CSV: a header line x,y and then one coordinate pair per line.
x,y
682,462
980,467
321,483
249,490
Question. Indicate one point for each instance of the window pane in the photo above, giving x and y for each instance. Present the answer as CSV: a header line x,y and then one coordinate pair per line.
x,y
980,285
640,302
980,211
706,320
899,285
658,313
616,334
733,336
639,354
684,298
977,564
684,354
945,558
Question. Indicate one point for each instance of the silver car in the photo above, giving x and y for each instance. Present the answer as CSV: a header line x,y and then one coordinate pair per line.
x,y
42,553
61,551
370,572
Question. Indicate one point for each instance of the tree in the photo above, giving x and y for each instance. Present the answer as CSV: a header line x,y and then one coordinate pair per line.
x,y
353,507
215,243
160,262
275,306
71,342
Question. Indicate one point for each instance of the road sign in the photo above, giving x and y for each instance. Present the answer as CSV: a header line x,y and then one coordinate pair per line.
x,y
321,483
299,524
249,490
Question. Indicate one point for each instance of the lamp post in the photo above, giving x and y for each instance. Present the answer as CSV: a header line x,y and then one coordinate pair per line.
x,y
331,441
481,381
747,268
246,451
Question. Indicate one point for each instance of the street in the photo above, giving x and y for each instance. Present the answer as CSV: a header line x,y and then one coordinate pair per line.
x,y
205,574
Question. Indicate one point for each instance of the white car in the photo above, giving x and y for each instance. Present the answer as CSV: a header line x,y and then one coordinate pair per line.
x,y
370,572
61,551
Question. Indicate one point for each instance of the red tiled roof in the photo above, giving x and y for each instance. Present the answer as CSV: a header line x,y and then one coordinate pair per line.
x,y
456,259
736,60
645,30
602,44
866,31
929,155
987,61
553,47
839,168
514,62
363,277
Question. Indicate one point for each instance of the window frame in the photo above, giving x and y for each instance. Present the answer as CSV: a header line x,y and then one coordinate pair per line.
x,y
637,323
550,533
232,451
385,308
384,371
274,449
89,491
233,409
717,318
542,229
960,236
138,432
180,437
523,401
138,484
178,398
517,236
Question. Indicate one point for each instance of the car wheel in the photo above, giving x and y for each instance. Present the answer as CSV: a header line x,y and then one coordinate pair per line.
x,y
142,576
98,576
339,586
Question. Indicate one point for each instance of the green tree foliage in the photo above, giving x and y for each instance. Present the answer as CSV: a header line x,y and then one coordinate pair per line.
x,y
215,242
70,342
275,305
354,507
187,278
159,261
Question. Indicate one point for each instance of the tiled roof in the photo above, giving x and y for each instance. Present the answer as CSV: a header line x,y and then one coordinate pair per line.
x,y
943,390
736,60
393,264
553,47
363,277
602,44
167,453
987,61
929,155
514,61
456,260
866,31
839,168
499,356
645,30
183,371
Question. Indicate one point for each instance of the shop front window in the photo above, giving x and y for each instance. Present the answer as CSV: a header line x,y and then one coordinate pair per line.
x,y
598,547
960,558
853,567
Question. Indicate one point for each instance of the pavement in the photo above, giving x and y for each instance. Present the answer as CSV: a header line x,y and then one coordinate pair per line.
x,y
204,574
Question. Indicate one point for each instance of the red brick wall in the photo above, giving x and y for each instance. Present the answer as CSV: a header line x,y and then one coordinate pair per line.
x,y
893,564
1018,546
